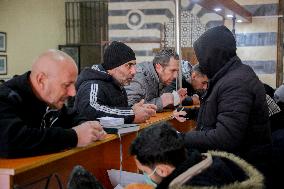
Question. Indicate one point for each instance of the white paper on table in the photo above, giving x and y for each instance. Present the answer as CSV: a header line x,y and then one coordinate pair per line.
x,y
126,177
118,187
111,121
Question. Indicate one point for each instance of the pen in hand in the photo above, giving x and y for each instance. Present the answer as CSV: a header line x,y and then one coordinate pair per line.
x,y
179,115
180,109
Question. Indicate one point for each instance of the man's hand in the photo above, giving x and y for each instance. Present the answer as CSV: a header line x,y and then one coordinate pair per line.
x,y
179,115
182,92
89,132
151,107
143,111
167,99
195,100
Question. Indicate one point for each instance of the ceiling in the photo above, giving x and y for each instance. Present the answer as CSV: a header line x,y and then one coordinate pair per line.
x,y
225,8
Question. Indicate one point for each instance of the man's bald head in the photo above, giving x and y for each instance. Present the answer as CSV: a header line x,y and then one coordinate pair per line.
x,y
53,76
52,61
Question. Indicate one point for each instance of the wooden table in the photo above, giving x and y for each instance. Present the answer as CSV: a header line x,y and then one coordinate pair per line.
x,y
32,172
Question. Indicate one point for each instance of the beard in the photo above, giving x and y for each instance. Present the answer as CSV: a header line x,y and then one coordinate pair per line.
x,y
200,92
127,82
124,82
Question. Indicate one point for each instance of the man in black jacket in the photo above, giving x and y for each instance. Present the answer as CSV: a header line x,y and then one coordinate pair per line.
x,y
101,88
33,118
233,115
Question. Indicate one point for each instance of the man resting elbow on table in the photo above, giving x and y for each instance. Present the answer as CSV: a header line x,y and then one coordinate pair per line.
x,y
101,90
152,78
33,117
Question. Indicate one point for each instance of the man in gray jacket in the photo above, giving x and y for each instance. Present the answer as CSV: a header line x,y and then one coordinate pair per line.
x,y
152,78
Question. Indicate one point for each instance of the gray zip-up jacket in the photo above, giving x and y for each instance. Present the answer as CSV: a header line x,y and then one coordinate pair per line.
x,y
145,85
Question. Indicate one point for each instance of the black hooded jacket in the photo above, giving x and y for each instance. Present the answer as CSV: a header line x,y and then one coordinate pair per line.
x,y
27,126
233,115
99,95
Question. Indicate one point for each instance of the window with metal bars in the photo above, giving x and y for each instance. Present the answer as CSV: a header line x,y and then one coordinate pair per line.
x,y
87,27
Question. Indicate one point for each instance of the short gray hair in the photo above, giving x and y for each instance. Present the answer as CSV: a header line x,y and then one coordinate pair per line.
x,y
163,57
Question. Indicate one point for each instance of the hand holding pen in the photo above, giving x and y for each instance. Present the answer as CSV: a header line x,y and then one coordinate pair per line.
x,y
179,115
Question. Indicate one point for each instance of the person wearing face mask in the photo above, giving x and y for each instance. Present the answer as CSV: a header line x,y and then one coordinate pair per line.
x,y
160,153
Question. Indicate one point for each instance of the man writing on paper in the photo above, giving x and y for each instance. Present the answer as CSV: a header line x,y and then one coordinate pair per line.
x,y
101,90
152,78
33,118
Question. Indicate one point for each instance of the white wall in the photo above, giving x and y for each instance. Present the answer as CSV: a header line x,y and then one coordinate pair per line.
x,y
260,25
32,26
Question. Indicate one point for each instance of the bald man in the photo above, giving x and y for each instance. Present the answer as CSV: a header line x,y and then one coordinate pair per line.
x,y
33,118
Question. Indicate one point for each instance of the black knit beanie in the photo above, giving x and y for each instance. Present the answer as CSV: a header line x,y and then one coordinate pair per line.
x,y
116,54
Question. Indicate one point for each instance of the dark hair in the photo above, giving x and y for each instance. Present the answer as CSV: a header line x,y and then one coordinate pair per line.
x,y
196,68
159,143
163,57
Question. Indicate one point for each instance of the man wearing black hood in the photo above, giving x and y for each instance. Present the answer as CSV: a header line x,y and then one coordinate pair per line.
x,y
233,115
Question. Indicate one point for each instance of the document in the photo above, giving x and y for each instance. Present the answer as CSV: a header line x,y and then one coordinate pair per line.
x,y
124,178
121,129
118,187
111,121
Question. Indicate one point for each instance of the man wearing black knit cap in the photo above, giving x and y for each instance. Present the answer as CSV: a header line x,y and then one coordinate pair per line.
x,y
100,89
233,115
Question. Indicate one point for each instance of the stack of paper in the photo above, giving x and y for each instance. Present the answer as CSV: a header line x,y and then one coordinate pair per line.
x,y
114,125
111,121
121,129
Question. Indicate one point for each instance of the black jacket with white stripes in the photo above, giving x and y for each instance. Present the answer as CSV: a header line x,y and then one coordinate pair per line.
x,y
100,95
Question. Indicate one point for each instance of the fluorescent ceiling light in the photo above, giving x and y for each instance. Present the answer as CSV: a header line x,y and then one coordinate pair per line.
x,y
217,9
